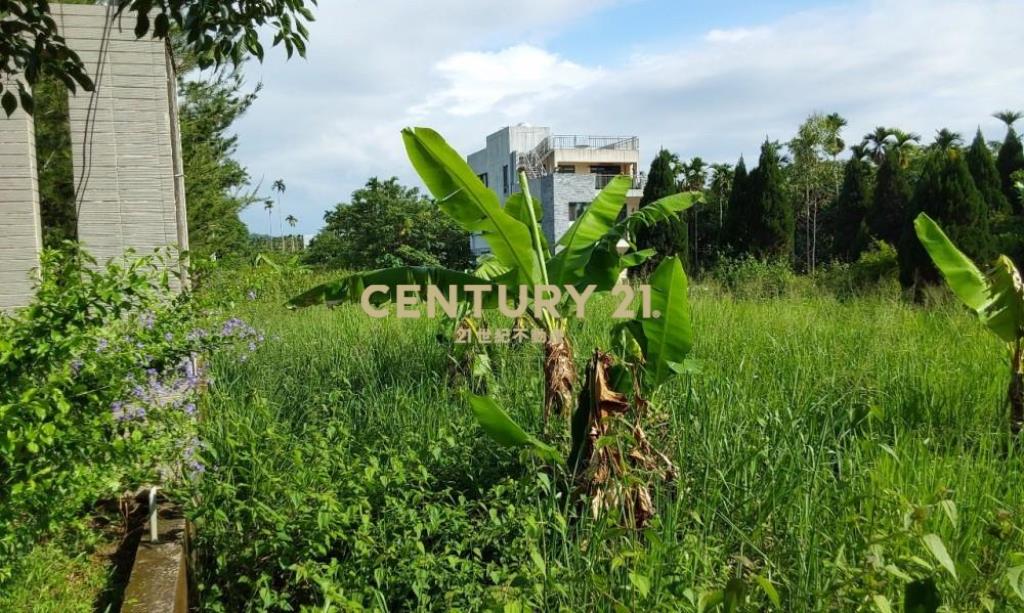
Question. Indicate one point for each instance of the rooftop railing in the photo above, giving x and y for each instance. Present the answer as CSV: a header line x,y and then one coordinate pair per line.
x,y
616,143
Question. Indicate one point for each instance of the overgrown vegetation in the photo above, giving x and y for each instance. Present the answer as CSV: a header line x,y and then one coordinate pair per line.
x,y
830,450
99,396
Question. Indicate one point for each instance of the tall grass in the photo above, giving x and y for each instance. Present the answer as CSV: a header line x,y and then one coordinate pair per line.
x,y
823,439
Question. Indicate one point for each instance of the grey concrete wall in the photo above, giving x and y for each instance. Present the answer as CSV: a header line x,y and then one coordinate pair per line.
x,y
124,138
568,188
20,228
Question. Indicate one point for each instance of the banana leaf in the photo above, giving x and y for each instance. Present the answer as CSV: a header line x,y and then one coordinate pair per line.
x,y
669,337
472,205
579,242
507,433
964,278
1004,312
350,288
654,213
515,205
998,299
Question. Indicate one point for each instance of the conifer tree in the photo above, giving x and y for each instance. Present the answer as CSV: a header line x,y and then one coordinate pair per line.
x,y
850,235
668,238
986,175
737,232
888,213
771,215
1010,159
946,192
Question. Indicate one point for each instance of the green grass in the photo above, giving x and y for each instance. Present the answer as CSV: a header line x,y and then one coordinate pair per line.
x,y
49,580
823,440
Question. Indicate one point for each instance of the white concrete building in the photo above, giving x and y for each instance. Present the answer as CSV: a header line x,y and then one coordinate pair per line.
x,y
565,172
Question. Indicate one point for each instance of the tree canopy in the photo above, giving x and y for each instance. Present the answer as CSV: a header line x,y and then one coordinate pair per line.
x,y
218,33
669,238
387,224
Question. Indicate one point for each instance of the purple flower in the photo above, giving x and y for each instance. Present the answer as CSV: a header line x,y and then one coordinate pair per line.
x,y
197,468
76,366
102,345
168,337
190,408
252,346
148,320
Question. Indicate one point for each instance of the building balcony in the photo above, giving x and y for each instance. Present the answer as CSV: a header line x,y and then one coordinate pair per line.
x,y
602,181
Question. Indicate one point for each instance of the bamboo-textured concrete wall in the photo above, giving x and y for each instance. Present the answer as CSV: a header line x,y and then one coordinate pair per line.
x,y
124,136
20,230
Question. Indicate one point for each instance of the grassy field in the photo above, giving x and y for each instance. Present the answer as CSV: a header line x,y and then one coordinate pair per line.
x,y
821,448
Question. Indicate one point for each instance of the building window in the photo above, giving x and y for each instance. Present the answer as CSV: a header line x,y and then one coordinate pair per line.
x,y
576,209
566,169
605,169
483,179
504,178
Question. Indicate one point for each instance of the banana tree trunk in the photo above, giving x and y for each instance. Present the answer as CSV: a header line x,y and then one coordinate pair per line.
x,y
559,376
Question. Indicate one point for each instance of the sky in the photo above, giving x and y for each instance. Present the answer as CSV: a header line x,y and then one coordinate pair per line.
x,y
698,77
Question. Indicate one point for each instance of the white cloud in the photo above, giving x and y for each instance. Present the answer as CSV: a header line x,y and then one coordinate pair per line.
x,y
513,81
327,124
731,36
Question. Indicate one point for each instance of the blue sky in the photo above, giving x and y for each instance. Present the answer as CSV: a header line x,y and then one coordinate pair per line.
x,y
698,77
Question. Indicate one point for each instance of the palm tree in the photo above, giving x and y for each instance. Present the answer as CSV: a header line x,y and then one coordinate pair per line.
x,y
694,177
721,177
876,142
268,206
903,143
859,152
1008,117
834,144
280,188
292,220
946,140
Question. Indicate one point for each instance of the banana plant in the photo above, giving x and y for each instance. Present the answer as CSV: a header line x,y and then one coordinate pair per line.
x,y
585,256
611,460
996,298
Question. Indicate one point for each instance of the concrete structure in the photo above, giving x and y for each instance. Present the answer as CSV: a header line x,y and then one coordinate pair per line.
x,y
565,172
129,188
20,228
125,145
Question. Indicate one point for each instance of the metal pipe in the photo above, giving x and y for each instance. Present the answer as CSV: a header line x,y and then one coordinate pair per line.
x,y
154,533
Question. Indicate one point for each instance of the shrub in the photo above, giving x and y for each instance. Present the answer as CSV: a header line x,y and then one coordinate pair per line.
x,y
98,397
749,277
875,271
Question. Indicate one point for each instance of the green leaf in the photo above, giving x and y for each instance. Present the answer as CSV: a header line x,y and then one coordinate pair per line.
x,y
141,24
8,102
1015,576
654,213
881,603
1004,311
735,592
963,276
515,205
579,242
769,590
488,267
669,337
938,550
472,205
997,300
921,597
641,583
350,288
636,258
500,427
